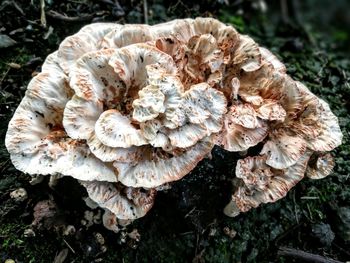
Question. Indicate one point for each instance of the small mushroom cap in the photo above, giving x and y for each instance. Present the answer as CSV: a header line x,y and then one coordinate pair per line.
x,y
235,84
252,84
110,154
263,184
184,29
187,135
156,170
36,140
149,104
115,130
317,124
244,115
167,28
235,137
130,63
204,109
266,83
254,172
247,54
126,35
110,221
272,59
320,166
51,64
283,150
88,39
331,135
80,116
92,78
19,194
123,202
272,111
231,209
203,53
172,89
203,103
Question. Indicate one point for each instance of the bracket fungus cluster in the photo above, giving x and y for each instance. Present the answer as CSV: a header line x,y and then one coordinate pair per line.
x,y
125,109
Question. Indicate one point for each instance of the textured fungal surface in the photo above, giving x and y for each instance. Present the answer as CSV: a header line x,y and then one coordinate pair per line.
x,y
125,109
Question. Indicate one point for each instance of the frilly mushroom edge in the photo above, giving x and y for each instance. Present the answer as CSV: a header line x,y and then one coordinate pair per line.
x,y
125,109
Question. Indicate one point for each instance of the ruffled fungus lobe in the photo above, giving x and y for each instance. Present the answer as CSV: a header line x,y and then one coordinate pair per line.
x,y
125,109
261,183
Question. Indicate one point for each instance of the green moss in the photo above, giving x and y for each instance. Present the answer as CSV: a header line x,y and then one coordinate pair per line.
x,y
22,249
236,21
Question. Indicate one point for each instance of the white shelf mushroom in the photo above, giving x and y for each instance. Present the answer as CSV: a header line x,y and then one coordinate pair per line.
x,y
125,109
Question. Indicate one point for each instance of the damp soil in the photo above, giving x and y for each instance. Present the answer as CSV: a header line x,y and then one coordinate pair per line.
x,y
186,223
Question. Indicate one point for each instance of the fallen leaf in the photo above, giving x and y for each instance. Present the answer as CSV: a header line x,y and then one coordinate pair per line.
x,y
6,41
61,256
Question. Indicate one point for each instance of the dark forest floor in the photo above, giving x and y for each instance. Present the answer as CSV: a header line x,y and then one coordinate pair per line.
x,y
186,224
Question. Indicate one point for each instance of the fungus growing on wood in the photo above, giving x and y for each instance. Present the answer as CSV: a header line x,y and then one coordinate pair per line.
x,y
126,109
261,183
320,165
125,203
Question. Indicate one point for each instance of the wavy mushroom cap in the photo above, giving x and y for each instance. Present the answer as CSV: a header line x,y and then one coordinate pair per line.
x,y
88,39
127,107
320,165
242,128
131,101
124,203
36,139
260,183
316,123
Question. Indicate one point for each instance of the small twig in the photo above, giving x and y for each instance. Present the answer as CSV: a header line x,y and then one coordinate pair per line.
x,y
59,16
309,198
341,249
5,74
42,16
108,2
18,8
3,165
284,11
190,212
61,256
7,71
186,233
238,2
197,244
310,213
295,208
68,245
179,2
145,11
302,255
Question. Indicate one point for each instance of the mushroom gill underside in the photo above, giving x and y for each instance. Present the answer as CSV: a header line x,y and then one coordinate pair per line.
x,y
126,109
